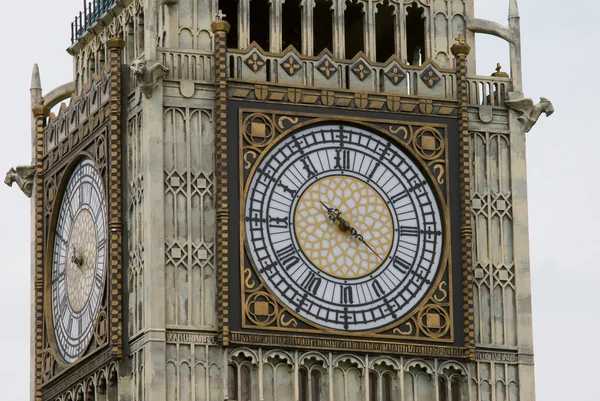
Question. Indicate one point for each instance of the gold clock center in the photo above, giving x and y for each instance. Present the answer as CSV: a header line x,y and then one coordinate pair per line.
x,y
81,260
332,244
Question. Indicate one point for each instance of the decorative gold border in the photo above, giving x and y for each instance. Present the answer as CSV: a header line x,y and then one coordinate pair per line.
x,y
351,345
354,100
369,124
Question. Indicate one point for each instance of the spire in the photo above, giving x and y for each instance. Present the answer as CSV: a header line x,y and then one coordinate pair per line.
x,y
36,82
513,9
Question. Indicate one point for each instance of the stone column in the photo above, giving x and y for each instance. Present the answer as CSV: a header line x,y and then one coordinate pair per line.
x,y
36,98
115,226
461,50
220,29
40,114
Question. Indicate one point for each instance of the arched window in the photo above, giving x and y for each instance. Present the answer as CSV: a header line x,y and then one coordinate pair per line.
x,y
387,387
384,31
91,67
373,386
354,28
101,58
415,34
316,384
245,390
310,384
130,42
291,24
323,26
303,392
230,9
451,385
259,22
232,379
239,379
140,34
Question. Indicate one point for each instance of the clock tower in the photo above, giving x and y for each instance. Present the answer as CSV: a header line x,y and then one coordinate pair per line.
x,y
272,200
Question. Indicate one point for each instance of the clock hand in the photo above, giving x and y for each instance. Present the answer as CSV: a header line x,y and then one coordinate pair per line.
x,y
77,258
336,215
333,214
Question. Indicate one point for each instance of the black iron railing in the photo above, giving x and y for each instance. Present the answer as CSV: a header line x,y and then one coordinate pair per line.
x,y
92,11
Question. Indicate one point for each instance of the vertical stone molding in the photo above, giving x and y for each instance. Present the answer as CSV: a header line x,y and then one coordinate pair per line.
x,y
115,226
40,114
461,50
220,29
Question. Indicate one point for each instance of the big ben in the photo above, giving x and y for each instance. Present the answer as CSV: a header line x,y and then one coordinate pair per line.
x,y
281,200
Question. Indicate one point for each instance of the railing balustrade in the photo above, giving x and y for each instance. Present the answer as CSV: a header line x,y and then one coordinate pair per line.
x,y
92,11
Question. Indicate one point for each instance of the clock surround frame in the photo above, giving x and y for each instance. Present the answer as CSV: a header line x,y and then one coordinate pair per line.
x,y
89,350
249,335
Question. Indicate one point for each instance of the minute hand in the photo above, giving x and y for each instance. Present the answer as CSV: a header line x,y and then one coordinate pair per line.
x,y
344,225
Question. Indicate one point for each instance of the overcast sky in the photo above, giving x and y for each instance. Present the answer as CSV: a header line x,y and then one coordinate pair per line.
x,y
560,62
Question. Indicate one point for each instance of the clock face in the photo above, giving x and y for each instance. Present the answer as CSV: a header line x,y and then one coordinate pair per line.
x,y
343,227
78,261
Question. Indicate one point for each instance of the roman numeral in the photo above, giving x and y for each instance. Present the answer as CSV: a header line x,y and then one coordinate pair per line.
x,y
347,295
374,170
287,189
312,283
401,265
308,166
409,231
342,159
377,287
288,257
63,304
278,222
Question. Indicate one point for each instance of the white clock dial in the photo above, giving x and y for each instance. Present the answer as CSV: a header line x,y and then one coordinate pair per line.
x,y
79,261
343,227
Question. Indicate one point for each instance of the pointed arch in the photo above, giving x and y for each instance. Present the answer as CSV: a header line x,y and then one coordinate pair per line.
x,y
323,26
259,23
385,46
291,24
354,26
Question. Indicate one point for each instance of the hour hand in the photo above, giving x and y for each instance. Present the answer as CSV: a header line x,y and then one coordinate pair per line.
x,y
77,258
333,214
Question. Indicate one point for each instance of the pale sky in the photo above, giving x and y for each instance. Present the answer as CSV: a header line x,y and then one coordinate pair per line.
x,y
560,60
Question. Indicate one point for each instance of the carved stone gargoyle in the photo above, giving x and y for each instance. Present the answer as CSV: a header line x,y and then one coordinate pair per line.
x,y
23,176
528,113
148,73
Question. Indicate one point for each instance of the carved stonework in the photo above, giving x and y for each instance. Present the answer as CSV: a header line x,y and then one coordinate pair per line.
x,y
530,113
23,176
148,73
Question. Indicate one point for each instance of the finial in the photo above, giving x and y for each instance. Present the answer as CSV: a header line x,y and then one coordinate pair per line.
x,y
499,72
460,47
219,24
36,82
513,9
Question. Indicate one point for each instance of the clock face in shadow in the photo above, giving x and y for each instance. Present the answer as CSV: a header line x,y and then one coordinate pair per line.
x,y
78,261
343,227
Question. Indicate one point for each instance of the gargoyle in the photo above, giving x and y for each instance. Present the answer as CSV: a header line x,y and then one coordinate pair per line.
x,y
148,73
23,176
528,112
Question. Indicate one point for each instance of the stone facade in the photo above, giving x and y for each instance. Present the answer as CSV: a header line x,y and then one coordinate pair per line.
x,y
172,349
